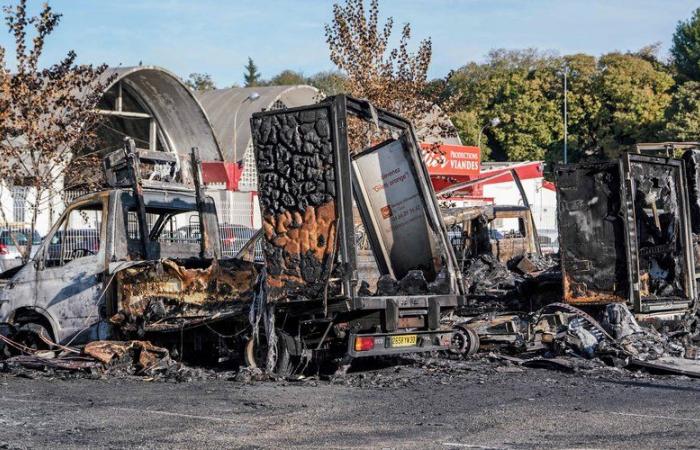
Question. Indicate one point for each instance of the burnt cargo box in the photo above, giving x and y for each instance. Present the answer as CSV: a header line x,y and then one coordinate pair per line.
x,y
625,235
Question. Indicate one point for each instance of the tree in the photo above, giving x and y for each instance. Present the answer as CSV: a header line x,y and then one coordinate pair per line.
x,y
634,96
329,82
612,103
251,75
683,114
394,79
200,82
287,77
685,50
48,113
520,88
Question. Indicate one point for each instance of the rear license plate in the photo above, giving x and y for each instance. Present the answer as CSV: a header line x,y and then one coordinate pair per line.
x,y
406,340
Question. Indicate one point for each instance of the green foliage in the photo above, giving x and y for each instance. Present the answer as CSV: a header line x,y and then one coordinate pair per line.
x,y
634,96
613,102
287,77
329,82
200,82
518,87
251,75
686,48
683,115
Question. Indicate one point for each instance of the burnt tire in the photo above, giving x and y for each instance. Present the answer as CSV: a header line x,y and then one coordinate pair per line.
x,y
255,356
465,341
28,334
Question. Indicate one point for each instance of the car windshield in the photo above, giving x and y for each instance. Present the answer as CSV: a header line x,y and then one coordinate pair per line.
x,y
19,237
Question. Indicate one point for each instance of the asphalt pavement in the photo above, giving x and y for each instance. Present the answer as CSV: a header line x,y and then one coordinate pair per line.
x,y
410,405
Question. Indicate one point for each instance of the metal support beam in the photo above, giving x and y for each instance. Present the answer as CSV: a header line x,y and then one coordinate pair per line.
x,y
526,203
199,194
118,105
124,114
152,135
135,169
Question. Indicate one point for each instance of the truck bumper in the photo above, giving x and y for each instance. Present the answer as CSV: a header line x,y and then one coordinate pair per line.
x,y
398,343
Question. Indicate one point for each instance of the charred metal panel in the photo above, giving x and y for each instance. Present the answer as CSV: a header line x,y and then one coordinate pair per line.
x,y
387,188
625,234
297,169
591,233
168,294
691,158
659,239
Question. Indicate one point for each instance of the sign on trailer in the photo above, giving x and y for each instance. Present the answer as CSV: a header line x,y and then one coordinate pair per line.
x,y
387,184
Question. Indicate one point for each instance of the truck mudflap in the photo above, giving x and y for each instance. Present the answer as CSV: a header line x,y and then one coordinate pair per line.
x,y
380,344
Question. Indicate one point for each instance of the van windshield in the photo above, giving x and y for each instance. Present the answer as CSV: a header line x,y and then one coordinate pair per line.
x,y
172,224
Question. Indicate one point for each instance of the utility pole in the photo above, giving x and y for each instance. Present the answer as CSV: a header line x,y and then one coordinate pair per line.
x,y
566,150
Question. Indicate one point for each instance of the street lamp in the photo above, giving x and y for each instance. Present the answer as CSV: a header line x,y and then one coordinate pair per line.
x,y
250,97
492,123
565,72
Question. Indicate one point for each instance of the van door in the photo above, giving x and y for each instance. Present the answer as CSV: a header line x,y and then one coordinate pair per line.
x,y
70,272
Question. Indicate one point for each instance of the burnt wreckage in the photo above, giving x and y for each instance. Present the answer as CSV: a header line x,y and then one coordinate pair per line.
x,y
427,280
148,277
141,260
628,246
308,180
625,235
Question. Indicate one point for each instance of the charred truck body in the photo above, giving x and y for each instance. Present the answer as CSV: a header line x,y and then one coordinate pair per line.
x,y
308,179
123,263
142,260
625,235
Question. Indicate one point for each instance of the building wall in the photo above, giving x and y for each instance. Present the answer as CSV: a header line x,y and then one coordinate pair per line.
x,y
543,201
16,204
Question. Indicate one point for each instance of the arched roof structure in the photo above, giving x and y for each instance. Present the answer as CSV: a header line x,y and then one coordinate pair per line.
x,y
230,111
153,106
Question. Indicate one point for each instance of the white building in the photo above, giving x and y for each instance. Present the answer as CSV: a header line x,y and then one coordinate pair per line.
x,y
541,194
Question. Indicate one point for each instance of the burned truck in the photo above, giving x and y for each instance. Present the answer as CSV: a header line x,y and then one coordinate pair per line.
x,y
116,264
314,164
625,235
144,260
506,232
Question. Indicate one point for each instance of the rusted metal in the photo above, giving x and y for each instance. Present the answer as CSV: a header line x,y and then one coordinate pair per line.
x,y
164,295
145,354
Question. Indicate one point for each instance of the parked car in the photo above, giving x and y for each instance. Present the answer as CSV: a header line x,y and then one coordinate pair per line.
x,y
76,243
549,241
12,243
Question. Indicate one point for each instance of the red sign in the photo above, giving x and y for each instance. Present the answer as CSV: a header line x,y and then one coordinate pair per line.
x,y
453,160
221,172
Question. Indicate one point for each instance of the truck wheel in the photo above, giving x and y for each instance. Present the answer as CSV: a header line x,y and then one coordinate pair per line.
x,y
255,356
465,341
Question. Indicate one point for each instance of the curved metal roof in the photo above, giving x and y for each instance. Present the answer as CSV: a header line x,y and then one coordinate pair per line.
x,y
230,111
176,109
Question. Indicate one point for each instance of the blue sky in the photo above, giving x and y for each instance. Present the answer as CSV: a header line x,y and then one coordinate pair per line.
x,y
217,36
